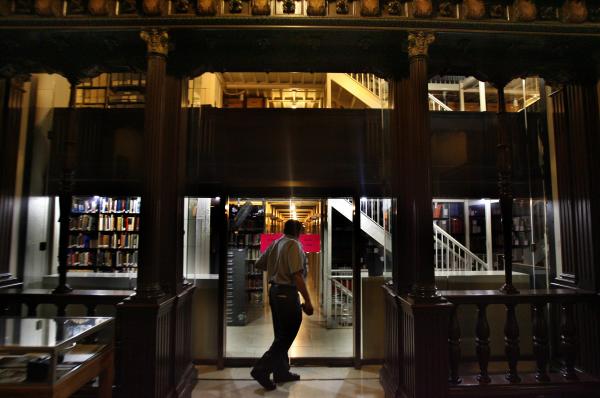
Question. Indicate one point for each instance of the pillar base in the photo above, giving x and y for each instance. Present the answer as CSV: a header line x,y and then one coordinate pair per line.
x,y
425,293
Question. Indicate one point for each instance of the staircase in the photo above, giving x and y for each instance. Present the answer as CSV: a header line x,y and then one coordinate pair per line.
x,y
366,88
450,254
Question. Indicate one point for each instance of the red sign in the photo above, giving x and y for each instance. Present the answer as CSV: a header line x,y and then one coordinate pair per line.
x,y
311,243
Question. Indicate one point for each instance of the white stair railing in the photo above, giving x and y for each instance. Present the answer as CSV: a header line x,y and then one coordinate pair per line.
x,y
374,84
451,255
341,302
437,105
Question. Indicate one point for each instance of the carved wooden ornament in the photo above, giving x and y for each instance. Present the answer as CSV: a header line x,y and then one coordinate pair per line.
x,y
418,43
47,8
261,7
316,8
207,7
98,7
574,11
152,7
473,9
524,10
370,8
157,41
422,8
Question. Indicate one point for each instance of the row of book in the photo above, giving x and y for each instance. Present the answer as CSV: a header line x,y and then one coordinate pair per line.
x,y
84,222
119,205
252,269
81,259
119,241
82,241
253,253
110,222
119,259
84,204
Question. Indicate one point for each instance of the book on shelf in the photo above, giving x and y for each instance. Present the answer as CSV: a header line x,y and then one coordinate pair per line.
x,y
108,227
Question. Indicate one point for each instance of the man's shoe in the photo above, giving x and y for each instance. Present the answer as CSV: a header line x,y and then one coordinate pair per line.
x,y
286,377
263,379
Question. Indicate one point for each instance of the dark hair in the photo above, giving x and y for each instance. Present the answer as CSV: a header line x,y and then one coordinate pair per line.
x,y
293,228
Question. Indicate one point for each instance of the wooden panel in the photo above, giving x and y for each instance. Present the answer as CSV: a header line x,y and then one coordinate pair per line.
x,y
183,368
329,150
144,338
577,135
390,372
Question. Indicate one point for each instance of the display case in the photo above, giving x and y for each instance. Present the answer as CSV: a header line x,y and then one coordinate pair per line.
x,y
55,357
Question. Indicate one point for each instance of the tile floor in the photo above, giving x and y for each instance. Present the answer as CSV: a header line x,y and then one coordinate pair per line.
x,y
313,340
321,382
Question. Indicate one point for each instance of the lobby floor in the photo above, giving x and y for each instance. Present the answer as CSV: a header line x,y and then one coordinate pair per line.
x,y
322,382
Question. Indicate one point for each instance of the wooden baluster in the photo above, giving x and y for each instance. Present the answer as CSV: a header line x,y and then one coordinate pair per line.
x,y
91,309
540,341
568,341
61,309
454,346
31,309
482,340
511,339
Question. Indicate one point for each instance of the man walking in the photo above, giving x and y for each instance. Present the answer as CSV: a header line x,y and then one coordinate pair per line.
x,y
285,263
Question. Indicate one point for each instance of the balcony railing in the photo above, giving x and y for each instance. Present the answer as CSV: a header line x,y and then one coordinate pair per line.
x,y
539,303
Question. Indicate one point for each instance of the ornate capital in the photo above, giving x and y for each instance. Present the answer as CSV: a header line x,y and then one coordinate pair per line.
x,y
418,43
157,41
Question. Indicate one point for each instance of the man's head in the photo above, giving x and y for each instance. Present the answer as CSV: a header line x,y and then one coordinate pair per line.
x,y
293,228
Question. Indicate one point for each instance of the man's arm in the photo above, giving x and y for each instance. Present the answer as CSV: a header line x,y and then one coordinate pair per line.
x,y
307,306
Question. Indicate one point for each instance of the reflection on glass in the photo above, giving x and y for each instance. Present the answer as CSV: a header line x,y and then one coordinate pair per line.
x,y
43,332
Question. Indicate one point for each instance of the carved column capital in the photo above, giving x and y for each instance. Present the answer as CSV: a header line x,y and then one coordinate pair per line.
x,y
418,43
157,41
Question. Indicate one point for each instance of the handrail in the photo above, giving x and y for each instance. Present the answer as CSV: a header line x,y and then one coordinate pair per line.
x,y
440,104
453,255
376,85
342,303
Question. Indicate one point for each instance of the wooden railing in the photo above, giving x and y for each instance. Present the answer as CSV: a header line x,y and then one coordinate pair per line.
x,y
542,303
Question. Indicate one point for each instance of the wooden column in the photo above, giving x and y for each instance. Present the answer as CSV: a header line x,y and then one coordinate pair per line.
x,y
151,228
172,179
11,100
404,241
416,324
419,195
504,166
154,337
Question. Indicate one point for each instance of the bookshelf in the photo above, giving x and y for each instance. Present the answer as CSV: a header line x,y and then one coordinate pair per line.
x,y
244,282
451,218
103,234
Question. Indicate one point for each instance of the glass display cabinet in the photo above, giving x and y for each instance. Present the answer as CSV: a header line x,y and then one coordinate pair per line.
x,y
55,357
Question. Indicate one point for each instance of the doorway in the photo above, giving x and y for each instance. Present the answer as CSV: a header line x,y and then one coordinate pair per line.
x,y
252,225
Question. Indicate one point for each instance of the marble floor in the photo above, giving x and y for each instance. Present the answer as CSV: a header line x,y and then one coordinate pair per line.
x,y
313,340
322,382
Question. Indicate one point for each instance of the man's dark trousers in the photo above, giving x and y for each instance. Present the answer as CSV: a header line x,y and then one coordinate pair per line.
x,y
287,317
